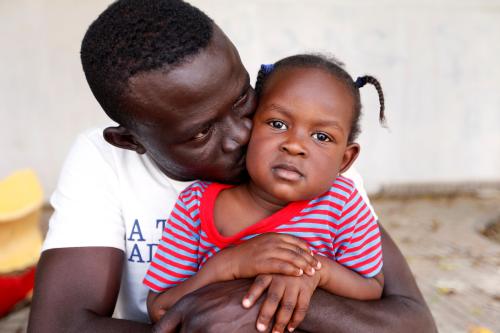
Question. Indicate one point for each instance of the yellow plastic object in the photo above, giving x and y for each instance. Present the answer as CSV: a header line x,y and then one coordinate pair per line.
x,y
21,198
20,194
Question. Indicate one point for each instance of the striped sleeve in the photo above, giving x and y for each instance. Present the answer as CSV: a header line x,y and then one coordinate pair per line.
x,y
358,244
176,258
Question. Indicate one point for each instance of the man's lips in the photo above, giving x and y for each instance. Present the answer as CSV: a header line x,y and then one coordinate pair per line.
x,y
287,172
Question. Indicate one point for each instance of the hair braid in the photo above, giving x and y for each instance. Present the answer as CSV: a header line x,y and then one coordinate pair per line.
x,y
372,80
259,83
334,67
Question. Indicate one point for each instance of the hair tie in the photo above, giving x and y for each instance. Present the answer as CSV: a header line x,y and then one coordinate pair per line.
x,y
267,68
360,81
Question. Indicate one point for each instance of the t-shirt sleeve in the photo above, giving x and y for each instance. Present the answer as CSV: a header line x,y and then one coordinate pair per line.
x,y
358,244
176,258
353,174
87,210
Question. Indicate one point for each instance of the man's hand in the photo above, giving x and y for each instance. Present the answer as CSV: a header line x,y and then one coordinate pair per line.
x,y
214,308
292,294
271,253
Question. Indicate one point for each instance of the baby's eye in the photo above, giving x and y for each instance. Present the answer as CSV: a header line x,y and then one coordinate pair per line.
x,y
322,137
201,135
278,124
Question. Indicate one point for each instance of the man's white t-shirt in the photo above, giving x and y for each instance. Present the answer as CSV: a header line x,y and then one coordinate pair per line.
x,y
114,197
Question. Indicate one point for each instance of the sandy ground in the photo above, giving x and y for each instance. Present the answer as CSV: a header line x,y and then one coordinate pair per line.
x,y
456,267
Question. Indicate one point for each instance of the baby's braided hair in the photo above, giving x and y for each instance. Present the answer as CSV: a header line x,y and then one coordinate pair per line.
x,y
361,81
334,67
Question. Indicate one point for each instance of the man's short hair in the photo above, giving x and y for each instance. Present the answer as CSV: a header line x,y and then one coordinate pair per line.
x,y
134,36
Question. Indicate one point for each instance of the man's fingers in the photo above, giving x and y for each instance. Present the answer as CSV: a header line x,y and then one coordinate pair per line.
x,y
285,311
260,284
168,323
299,312
268,309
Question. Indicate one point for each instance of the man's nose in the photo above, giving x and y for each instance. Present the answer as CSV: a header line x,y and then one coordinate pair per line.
x,y
238,135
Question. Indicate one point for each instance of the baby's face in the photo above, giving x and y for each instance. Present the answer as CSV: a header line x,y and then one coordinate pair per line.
x,y
299,139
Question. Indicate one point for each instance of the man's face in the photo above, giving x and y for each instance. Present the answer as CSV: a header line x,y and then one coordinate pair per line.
x,y
299,140
194,120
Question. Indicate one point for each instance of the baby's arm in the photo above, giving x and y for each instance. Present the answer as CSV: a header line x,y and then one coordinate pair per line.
x,y
344,282
264,254
356,271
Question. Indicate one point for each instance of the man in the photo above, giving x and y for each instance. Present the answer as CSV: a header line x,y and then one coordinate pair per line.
x,y
175,85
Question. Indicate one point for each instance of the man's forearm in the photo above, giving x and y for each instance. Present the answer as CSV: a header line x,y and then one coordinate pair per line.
x,y
81,321
76,291
96,324
330,313
401,309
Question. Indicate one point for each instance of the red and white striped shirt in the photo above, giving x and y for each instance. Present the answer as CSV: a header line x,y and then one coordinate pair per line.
x,y
337,224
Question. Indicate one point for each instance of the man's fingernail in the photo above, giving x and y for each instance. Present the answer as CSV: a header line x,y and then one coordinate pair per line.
x,y
313,271
261,327
301,271
291,329
246,303
318,265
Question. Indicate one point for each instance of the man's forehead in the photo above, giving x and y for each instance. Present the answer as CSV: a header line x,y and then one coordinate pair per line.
x,y
191,79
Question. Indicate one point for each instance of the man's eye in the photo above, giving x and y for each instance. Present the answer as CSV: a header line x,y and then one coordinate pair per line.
x,y
241,100
201,135
322,137
278,124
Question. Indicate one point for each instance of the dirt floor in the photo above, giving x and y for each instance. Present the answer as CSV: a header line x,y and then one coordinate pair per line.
x,y
456,267
443,238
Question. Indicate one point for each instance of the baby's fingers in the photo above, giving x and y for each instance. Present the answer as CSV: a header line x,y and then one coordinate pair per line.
x,y
300,311
270,305
305,259
259,285
288,303
281,265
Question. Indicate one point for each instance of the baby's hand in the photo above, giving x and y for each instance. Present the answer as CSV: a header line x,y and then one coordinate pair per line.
x,y
272,253
291,294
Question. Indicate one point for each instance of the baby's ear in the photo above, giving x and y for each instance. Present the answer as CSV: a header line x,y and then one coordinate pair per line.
x,y
121,137
350,155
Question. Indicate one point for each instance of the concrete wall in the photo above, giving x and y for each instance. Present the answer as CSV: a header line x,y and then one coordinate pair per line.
x,y
437,61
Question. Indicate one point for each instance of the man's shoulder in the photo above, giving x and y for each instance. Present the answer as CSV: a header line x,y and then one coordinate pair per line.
x,y
93,138
90,148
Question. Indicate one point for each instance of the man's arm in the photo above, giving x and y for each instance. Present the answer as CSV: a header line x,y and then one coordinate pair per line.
x,y
401,309
76,291
217,308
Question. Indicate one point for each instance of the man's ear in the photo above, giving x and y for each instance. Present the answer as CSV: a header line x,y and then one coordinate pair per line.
x,y
121,137
350,155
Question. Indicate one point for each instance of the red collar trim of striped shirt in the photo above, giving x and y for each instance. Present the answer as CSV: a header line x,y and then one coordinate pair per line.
x,y
207,206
